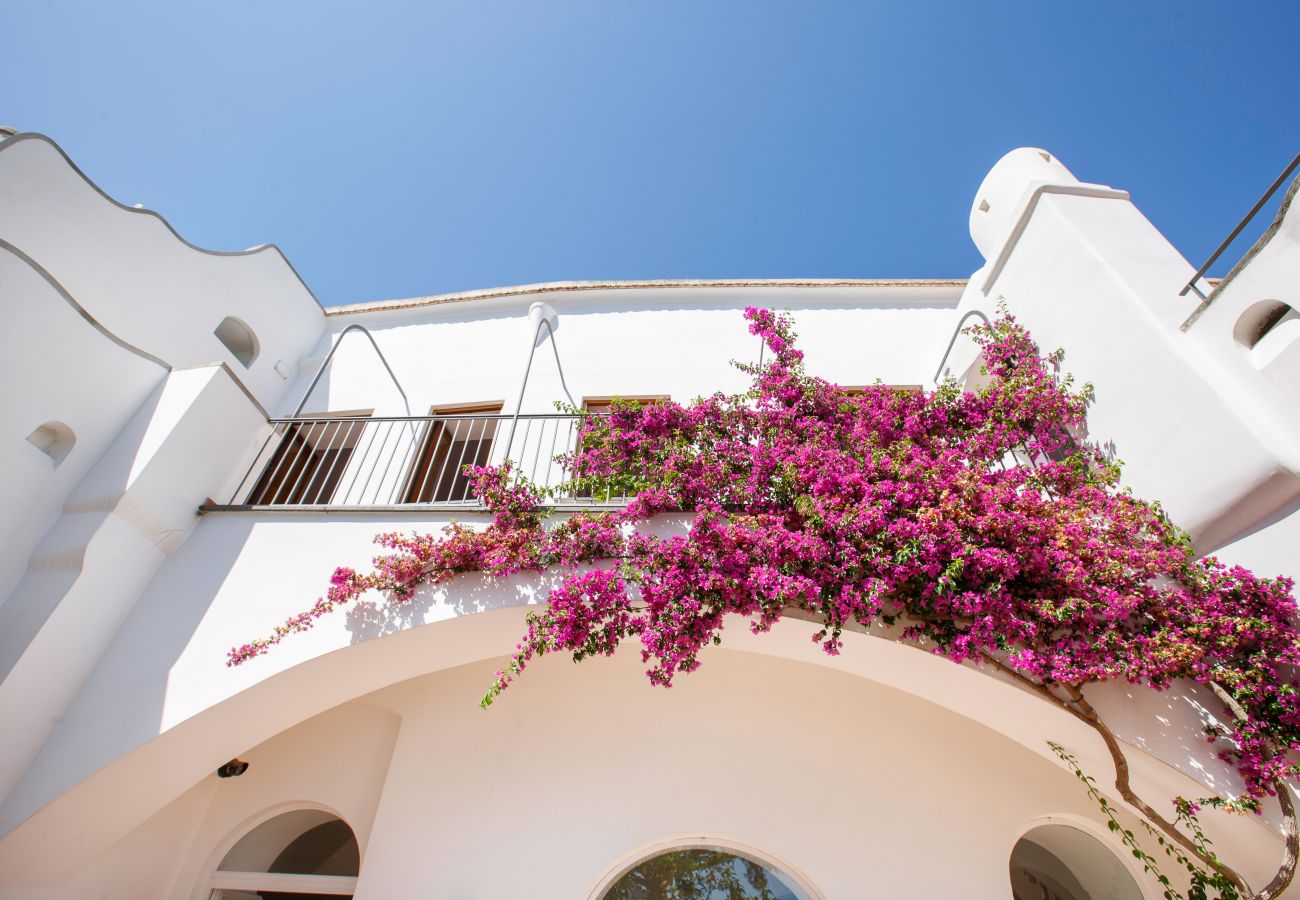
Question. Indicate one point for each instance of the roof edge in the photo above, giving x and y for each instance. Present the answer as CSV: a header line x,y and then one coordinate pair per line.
x,y
551,287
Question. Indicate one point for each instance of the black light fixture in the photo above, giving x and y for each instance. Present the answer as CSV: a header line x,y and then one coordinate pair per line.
x,y
232,769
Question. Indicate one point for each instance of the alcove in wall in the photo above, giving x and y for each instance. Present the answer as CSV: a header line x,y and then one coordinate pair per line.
x,y
238,338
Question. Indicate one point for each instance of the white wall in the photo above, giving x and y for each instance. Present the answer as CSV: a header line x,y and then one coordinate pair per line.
x,y
137,504
1085,271
630,341
49,350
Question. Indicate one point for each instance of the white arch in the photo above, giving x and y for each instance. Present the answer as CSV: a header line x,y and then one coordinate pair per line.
x,y
295,690
203,887
1145,883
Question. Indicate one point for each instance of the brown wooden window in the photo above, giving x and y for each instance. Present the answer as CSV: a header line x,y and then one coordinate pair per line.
x,y
857,390
602,406
458,436
310,460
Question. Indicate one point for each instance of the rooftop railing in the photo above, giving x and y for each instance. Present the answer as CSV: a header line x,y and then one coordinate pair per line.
x,y
1227,242
404,462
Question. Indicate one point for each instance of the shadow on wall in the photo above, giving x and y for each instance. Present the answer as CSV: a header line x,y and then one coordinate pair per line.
x,y
465,595
58,560
1170,725
123,700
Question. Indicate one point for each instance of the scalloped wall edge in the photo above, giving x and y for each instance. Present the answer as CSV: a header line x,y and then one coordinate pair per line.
x,y
80,310
261,248
7,247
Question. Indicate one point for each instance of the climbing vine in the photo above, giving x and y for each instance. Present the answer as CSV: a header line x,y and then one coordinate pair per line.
x,y
973,522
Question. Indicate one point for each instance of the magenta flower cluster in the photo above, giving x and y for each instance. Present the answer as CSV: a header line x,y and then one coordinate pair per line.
x,y
973,523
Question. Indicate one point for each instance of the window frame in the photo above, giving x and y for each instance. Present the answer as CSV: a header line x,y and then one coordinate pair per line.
x,y
434,454
302,472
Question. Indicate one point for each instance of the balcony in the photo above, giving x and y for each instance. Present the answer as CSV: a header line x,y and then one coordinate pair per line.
x,y
389,463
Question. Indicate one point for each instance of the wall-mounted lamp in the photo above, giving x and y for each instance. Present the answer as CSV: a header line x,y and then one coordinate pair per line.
x,y
232,769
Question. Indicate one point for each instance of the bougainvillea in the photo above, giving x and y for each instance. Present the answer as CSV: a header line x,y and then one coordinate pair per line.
x,y
973,522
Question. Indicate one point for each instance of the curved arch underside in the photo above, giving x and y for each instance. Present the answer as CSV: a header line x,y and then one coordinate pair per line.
x,y
182,756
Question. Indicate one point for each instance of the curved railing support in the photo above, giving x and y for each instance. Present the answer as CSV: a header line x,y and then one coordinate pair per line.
x,y
523,386
316,380
953,340
324,365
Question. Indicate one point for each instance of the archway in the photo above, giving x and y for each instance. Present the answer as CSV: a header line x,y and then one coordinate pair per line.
x,y
1058,861
306,854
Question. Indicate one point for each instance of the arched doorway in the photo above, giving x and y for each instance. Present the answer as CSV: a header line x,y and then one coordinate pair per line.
x,y
305,854
1058,861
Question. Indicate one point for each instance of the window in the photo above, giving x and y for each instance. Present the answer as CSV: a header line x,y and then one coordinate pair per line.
x,y
238,338
310,460
705,873
458,436
601,406
301,855
857,390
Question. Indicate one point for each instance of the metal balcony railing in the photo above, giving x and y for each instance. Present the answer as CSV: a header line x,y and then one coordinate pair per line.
x,y
403,462
392,463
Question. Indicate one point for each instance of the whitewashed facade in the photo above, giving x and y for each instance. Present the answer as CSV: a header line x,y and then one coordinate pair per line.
x,y
143,540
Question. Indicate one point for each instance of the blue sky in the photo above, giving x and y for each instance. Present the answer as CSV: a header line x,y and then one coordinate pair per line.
x,y
399,149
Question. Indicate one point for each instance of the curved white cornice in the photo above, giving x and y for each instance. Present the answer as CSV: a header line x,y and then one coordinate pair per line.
x,y
261,248
552,287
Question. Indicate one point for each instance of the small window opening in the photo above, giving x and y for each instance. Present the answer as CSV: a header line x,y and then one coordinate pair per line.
x,y
239,339
984,206
54,439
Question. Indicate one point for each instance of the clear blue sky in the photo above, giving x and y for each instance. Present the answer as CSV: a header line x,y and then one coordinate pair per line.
x,y
399,149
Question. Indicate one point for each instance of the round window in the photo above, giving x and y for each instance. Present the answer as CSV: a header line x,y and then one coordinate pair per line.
x,y
703,874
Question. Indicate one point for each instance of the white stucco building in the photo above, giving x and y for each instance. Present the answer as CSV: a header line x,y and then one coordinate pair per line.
x,y
156,514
